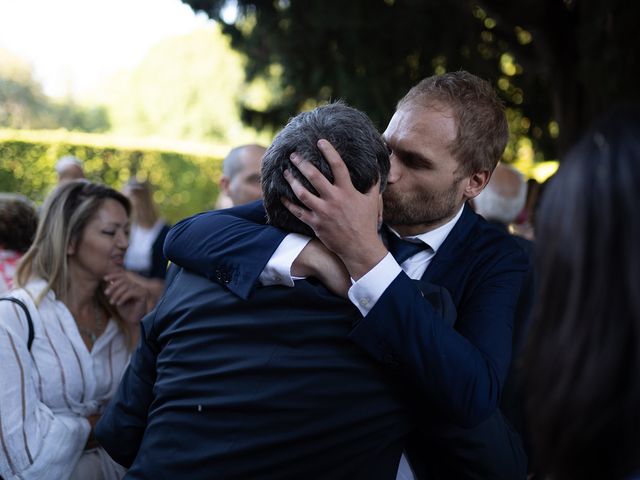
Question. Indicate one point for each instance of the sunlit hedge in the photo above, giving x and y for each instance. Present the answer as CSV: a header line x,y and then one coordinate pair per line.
x,y
184,183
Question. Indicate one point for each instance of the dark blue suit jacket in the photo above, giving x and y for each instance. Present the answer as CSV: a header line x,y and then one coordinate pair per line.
x,y
460,370
158,260
224,388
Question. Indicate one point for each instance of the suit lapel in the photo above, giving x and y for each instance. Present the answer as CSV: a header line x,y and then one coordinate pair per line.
x,y
452,248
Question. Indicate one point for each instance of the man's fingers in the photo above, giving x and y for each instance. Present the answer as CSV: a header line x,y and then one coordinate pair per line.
x,y
338,168
305,196
311,173
297,211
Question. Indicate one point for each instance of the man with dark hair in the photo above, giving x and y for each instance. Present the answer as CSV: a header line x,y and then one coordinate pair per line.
x,y
445,139
365,156
222,387
18,224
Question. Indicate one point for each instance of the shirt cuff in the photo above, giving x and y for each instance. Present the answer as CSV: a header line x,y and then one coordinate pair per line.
x,y
367,291
278,268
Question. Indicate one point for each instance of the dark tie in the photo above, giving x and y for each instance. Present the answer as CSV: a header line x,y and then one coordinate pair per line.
x,y
403,249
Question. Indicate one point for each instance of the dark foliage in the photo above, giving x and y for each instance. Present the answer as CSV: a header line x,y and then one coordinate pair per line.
x,y
572,59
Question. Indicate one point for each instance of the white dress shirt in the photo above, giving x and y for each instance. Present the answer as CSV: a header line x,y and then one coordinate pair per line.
x,y
138,257
367,290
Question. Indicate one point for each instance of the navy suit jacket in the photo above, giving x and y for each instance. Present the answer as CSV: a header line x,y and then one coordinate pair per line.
x,y
158,260
459,370
222,387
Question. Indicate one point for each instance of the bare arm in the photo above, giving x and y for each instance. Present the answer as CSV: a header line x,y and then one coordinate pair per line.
x,y
318,261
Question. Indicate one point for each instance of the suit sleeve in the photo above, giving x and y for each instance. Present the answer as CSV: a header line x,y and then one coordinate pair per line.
x,y
158,260
121,427
459,369
230,247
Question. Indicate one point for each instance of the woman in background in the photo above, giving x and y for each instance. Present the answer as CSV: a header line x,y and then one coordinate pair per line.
x,y
583,358
145,257
18,223
53,391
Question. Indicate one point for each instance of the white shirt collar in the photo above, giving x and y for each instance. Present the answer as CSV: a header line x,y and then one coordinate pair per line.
x,y
435,238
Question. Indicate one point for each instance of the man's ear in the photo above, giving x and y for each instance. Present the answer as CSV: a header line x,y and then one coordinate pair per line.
x,y
476,183
224,184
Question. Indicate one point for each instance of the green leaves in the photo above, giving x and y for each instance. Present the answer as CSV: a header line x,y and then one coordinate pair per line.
x,y
185,183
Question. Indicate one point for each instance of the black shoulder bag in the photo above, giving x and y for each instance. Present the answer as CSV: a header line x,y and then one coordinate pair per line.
x,y
21,304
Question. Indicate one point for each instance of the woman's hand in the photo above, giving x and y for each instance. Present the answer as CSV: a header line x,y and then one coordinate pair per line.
x,y
128,295
91,441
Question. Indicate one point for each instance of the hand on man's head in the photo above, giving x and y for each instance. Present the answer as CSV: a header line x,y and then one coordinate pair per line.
x,y
344,219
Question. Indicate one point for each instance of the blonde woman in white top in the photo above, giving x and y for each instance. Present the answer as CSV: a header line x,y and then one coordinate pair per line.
x,y
84,325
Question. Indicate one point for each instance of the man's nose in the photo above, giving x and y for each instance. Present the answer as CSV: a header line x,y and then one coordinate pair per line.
x,y
395,169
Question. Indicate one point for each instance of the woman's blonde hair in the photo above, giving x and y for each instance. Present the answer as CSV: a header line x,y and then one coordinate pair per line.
x,y
65,214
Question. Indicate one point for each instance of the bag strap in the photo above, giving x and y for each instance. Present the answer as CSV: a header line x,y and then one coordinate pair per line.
x,y
21,304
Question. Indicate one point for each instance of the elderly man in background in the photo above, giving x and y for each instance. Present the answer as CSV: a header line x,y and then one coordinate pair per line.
x,y
503,198
240,181
69,168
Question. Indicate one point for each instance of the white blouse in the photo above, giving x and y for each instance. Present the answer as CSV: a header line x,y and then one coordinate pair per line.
x,y
47,393
139,253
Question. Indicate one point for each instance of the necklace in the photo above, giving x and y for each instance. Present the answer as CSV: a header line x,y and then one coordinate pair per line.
x,y
92,333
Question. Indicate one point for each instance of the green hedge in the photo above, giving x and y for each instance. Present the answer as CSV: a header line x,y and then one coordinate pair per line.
x,y
185,183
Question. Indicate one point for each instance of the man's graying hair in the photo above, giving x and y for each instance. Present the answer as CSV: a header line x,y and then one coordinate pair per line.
x,y
350,132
